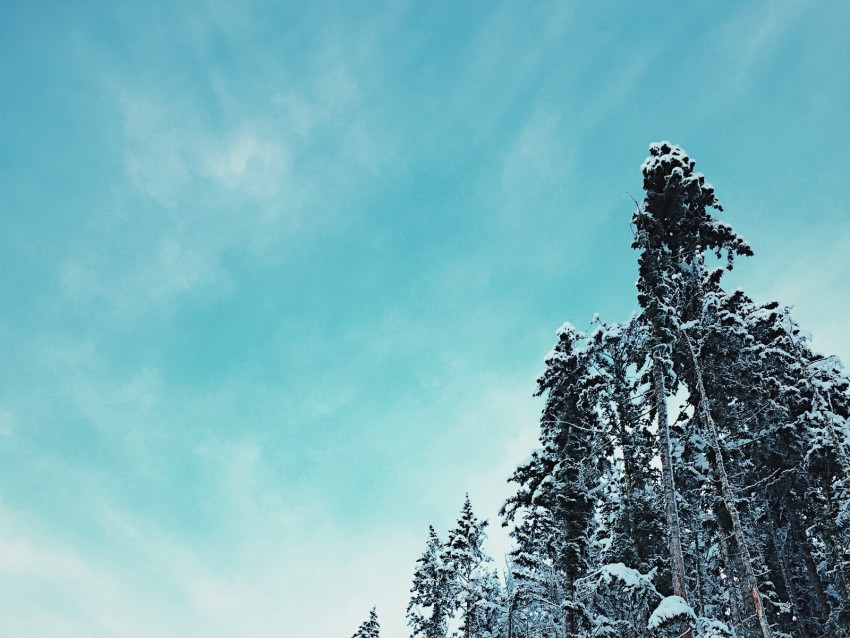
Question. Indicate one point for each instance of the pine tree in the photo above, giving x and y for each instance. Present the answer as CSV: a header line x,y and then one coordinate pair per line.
x,y
535,584
772,415
560,487
588,499
430,603
476,592
799,478
453,585
674,232
673,229
633,486
369,628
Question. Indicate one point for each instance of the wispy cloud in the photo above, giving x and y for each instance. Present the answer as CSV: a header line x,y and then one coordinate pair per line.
x,y
753,35
293,308
207,177
265,584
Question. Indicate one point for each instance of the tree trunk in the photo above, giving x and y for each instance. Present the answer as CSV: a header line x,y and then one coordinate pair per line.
x,y
671,508
735,601
780,546
726,492
815,583
701,571
511,608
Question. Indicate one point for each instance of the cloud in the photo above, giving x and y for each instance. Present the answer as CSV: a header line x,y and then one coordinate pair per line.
x,y
7,422
279,569
749,39
110,553
251,164
511,409
220,167
536,168
194,195
189,522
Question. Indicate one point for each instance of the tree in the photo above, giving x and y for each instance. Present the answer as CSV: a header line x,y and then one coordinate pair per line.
x,y
535,583
561,476
454,586
369,628
476,592
770,415
673,231
430,603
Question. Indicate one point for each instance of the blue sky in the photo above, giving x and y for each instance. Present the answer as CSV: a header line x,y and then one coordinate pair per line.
x,y
278,278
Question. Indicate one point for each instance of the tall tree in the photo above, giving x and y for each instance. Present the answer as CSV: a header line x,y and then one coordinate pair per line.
x,y
560,487
668,233
675,230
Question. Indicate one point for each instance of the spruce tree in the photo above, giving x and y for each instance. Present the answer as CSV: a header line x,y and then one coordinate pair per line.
x,y
453,585
430,602
560,485
675,230
772,415
369,628
476,593
536,591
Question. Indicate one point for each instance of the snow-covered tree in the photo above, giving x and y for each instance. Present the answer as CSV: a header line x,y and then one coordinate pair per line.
x,y
553,480
476,592
454,587
431,601
369,628
535,584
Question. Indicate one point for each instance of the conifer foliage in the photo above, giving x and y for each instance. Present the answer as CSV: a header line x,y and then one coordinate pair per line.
x,y
454,587
693,472
430,604
369,628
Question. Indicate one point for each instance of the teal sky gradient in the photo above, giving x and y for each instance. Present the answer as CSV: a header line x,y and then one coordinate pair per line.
x,y
278,278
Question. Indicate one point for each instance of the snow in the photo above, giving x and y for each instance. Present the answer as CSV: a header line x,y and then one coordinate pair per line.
x,y
669,609
630,578
709,628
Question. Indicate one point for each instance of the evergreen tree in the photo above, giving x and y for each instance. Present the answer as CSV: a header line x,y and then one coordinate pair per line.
x,y
770,415
789,451
476,592
453,585
369,628
536,590
430,603
632,485
560,486
673,231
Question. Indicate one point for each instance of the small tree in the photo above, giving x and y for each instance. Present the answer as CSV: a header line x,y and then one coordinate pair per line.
x,y
430,603
476,592
369,628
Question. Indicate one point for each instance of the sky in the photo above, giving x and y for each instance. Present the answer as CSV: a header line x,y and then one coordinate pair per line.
x,y
278,278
